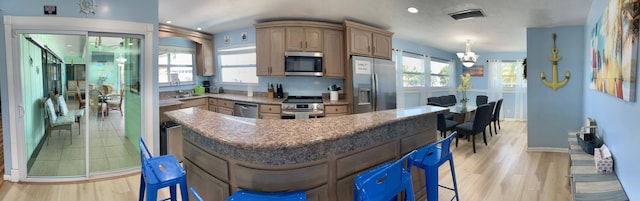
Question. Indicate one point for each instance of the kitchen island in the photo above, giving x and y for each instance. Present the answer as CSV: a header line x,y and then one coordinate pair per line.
x,y
320,156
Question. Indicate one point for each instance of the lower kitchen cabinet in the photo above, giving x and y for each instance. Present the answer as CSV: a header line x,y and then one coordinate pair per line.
x,y
335,110
270,111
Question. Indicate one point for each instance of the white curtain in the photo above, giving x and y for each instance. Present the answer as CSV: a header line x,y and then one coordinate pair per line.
x,y
425,90
397,57
453,77
520,111
494,91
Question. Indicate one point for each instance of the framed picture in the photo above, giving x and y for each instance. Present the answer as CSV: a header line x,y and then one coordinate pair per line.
x,y
244,36
227,38
474,71
614,51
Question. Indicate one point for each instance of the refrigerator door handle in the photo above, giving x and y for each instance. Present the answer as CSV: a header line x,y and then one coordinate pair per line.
x,y
374,99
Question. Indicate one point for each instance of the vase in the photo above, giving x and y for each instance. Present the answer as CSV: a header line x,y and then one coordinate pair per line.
x,y
333,95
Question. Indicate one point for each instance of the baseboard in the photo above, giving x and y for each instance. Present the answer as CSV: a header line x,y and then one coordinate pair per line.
x,y
34,155
547,149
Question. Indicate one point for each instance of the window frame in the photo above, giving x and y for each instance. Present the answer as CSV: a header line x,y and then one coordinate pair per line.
x,y
422,74
175,49
503,66
448,76
238,49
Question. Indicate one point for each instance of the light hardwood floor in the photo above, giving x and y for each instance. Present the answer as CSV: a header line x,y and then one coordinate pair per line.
x,y
504,170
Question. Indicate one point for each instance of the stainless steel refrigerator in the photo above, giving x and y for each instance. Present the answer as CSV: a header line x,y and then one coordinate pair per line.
x,y
374,84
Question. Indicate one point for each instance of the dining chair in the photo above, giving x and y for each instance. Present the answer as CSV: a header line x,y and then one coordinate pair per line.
x,y
115,103
81,102
445,125
493,108
481,100
95,104
64,111
496,116
435,101
479,124
72,85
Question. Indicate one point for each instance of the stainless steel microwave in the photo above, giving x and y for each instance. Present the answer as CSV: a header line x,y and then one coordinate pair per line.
x,y
303,63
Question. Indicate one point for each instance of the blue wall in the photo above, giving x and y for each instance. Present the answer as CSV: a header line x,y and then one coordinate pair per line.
x,y
551,114
616,118
294,85
122,10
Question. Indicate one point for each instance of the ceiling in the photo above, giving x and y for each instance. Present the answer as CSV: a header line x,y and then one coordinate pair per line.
x,y
503,30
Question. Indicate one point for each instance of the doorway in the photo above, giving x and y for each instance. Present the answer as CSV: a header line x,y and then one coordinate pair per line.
x,y
98,76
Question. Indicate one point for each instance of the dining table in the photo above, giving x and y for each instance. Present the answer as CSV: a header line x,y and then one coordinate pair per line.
x,y
462,112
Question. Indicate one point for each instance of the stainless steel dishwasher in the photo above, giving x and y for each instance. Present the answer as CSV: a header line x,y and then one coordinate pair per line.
x,y
249,110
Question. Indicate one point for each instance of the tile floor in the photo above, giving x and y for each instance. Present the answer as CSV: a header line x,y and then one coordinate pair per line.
x,y
109,149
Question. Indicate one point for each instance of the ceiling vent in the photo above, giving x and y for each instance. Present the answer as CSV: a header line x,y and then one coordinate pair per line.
x,y
467,14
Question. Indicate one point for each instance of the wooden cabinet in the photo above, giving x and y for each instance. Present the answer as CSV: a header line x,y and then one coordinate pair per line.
x,y
333,52
195,103
205,60
225,106
270,111
304,39
270,51
274,38
369,41
335,110
163,117
213,105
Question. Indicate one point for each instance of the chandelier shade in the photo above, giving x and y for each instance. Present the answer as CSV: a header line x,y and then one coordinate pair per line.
x,y
468,58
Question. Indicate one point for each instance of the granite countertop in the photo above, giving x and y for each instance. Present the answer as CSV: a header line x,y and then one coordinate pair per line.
x,y
240,98
268,133
293,141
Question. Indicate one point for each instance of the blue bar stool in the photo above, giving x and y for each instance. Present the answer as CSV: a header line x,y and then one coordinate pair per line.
x,y
195,194
247,195
429,158
385,181
159,172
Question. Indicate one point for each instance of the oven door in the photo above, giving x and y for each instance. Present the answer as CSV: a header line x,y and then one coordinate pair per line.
x,y
301,114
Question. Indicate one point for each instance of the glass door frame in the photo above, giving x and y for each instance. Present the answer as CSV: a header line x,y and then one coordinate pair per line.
x,y
65,25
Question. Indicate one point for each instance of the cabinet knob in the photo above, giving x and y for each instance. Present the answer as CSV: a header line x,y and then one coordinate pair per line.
x,y
336,109
269,109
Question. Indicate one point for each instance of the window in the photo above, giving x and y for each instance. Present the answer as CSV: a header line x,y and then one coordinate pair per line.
x,y
175,64
439,74
238,64
412,72
509,74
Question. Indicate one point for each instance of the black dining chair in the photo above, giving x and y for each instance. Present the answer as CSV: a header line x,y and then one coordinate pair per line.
x,y
481,99
434,101
493,108
445,125
479,124
496,116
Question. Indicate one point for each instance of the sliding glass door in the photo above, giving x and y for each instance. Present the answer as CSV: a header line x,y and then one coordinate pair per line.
x,y
97,77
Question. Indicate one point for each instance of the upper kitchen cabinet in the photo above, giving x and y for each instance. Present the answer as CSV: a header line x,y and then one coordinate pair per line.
x,y
270,47
205,61
304,39
333,61
364,40
274,38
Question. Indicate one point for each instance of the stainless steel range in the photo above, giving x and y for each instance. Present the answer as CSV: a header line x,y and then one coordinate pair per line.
x,y
302,106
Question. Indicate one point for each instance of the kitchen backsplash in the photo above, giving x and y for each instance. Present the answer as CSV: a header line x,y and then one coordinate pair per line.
x,y
293,85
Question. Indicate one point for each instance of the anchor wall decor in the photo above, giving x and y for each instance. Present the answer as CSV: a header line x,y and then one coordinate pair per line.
x,y
554,84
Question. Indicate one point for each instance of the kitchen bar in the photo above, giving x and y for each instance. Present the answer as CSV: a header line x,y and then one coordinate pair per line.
x,y
320,156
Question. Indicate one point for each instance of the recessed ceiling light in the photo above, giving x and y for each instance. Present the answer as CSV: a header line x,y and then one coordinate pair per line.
x,y
412,10
168,21
69,45
199,28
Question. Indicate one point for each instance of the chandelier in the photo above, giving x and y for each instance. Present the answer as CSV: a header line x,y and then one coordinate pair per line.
x,y
468,58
